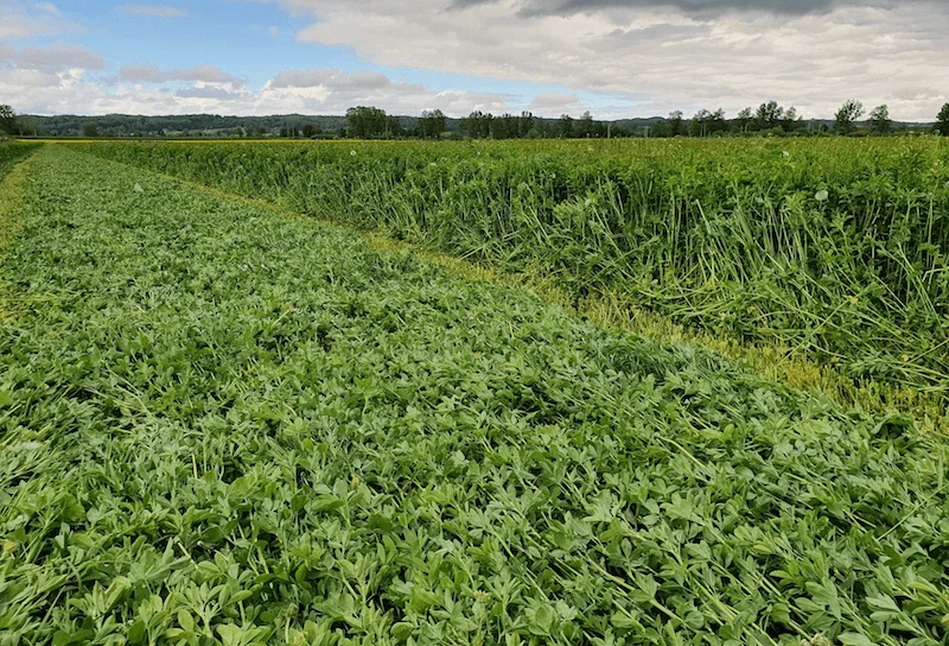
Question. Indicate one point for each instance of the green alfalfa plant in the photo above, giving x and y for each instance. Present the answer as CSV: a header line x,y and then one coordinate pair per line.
x,y
687,215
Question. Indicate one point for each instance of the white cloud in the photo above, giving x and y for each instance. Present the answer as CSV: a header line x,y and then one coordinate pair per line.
x,y
29,20
57,56
206,92
200,73
622,62
48,7
20,81
554,104
273,31
53,75
658,57
704,8
331,78
154,11
141,90
332,91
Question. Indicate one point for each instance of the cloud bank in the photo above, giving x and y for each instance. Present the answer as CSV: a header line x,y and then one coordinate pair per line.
x,y
617,58
664,54
154,11
60,79
199,73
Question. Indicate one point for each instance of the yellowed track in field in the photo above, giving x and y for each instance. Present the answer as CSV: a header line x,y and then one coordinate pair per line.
x,y
12,192
12,196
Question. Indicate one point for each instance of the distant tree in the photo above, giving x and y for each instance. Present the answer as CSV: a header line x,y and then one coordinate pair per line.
x,y
564,127
432,124
504,127
942,121
792,120
585,125
848,113
676,126
394,127
476,125
525,124
311,130
880,122
467,126
601,129
540,130
366,122
484,125
717,122
744,119
90,130
617,131
705,123
29,126
8,122
769,115
697,124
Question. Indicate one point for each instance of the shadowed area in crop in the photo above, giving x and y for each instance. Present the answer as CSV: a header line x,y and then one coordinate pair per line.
x,y
223,426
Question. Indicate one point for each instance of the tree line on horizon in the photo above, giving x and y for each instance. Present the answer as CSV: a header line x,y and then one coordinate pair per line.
x,y
367,122
769,118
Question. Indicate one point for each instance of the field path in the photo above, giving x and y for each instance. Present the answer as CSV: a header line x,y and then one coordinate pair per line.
x,y
221,425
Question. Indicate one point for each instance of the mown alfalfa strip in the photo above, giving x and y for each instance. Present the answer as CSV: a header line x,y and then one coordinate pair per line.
x,y
13,190
617,308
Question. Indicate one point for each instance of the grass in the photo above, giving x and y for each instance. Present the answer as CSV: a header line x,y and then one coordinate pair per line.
x,y
221,425
827,257
12,152
13,179
619,310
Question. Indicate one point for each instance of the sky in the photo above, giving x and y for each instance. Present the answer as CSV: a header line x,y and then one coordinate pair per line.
x,y
615,58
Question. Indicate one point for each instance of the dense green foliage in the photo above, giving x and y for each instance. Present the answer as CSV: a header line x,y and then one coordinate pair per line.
x,y
129,125
12,152
837,248
942,121
8,124
224,426
769,119
848,114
